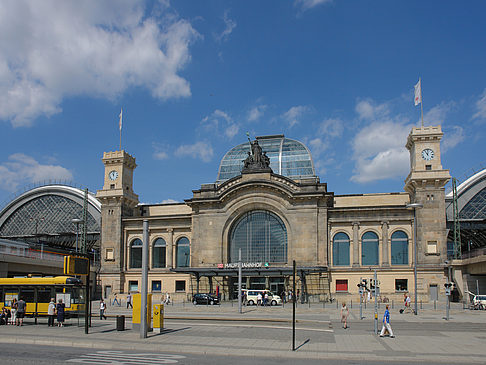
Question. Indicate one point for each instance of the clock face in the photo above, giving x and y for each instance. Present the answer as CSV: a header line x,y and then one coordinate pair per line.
x,y
427,154
113,175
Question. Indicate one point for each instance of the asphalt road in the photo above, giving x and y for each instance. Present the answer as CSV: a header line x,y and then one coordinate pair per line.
x,y
20,354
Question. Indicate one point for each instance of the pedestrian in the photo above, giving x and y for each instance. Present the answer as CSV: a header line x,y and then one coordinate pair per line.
x,y
406,304
51,312
60,313
284,296
129,301
386,324
13,311
344,315
167,298
115,300
21,311
265,299
102,309
4,316
259,299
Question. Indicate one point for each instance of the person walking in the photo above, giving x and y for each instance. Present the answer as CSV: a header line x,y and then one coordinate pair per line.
x,y
21,311
13,312
129,301
115,300
51,312
344,315
386,324
102,309
259,299
265,299
60,313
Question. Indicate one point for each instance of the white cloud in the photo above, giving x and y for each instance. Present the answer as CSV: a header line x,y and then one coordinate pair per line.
x,y
481,107
21,169
368,110
294,114
199,150
438,113
229,26
317,146
97,48
256,112
309,4
331,128
452,138
160,151
380,153
221,124
169,201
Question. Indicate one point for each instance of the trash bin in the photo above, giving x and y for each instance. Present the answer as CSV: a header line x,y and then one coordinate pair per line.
x,y
120,323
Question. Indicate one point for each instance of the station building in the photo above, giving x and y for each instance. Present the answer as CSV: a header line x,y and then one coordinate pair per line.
x,y
274,214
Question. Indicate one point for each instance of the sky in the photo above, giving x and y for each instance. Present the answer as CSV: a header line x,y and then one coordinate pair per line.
x,y
194,76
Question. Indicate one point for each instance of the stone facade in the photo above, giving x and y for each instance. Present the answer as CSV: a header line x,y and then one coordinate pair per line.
x,y
312,217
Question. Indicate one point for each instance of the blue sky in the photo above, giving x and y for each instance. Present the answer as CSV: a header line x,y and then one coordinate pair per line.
x,y
194,76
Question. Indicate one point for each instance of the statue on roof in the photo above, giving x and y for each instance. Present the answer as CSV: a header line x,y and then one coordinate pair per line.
x,y
257,160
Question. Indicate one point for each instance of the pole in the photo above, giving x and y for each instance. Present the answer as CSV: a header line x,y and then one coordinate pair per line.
x,y
294,299
415,257
448,297
143,300
421,102
77,233
360,306
88,299
376,305
477,287
239,281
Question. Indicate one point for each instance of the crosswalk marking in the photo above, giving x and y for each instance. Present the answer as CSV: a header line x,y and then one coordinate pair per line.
x,y
125,358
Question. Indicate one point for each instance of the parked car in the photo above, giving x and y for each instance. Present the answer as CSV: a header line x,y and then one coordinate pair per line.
x,y
479,301
205,299
252,295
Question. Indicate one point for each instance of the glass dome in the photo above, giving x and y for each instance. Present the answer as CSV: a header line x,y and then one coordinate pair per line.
x,y
288,157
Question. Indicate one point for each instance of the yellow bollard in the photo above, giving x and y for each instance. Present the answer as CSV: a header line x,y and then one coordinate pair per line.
x,y
158,317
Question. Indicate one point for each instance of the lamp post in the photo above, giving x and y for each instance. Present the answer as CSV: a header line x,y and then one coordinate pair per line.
x,y
415,206
77,222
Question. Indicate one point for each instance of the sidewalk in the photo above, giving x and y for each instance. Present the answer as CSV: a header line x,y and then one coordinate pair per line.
x,y
265,332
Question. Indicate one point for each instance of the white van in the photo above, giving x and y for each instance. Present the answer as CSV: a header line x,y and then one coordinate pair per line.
x,y
252,297
479,301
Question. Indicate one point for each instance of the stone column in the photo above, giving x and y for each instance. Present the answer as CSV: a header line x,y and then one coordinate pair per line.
x,y
169,249
355,243
385,243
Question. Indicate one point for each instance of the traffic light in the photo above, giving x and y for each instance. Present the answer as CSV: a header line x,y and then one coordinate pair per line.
x,y
448,288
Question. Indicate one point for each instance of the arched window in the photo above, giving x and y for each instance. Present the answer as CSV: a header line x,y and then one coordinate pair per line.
x,y
399,248
136,254
369,249
183,252
261,236
340,249
158,253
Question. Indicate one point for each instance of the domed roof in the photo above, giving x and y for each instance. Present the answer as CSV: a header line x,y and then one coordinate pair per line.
x,y
288,157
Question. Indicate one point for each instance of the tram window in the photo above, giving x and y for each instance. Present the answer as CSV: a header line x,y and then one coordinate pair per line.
x,y
27,294
44,295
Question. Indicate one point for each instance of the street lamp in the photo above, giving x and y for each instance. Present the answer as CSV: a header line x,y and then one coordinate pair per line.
x,y
415,206
77,222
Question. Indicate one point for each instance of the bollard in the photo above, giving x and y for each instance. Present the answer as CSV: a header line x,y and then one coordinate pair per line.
x,y
393,304
421,304
435,304
308,302
337,304
365,304
183,303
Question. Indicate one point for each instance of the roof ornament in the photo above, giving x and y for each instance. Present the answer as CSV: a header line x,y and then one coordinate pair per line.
x,y
257,160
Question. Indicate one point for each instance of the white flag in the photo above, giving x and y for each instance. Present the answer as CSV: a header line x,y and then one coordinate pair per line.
x,y
121,116
418,93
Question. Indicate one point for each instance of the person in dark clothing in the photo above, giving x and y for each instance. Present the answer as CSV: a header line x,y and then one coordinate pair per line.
x,y
21,311
60,313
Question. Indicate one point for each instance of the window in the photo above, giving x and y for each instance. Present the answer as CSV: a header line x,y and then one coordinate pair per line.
x,y
109,254
369,249
401,284
132,285
156,286
340,249
262,237
428,167
136,254
341,285
112,186
180,285
183,252
43,295
432,247
158,254
27,294
399,248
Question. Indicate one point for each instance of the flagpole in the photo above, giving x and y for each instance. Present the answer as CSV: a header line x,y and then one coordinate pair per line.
x,y
421,102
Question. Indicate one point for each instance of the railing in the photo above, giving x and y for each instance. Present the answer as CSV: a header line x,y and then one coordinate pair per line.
x,y
34,254
474,253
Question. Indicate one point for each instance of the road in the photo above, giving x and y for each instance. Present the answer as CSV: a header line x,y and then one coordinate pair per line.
x,y
22,355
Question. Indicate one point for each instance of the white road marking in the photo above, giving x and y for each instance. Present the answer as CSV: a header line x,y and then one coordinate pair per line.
x,y
123,358
253,326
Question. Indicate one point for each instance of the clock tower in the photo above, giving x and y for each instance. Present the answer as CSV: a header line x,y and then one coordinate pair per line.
x,y
425,184
117,201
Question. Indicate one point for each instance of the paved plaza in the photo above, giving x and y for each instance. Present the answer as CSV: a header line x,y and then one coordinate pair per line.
x,y
266,333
